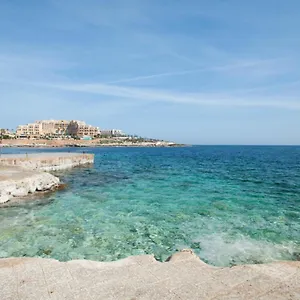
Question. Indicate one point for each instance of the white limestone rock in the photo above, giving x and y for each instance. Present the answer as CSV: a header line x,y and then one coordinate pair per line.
x,y
27,184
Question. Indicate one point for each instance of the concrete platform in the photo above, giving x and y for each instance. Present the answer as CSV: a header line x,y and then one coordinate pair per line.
x,y
185,276
46,161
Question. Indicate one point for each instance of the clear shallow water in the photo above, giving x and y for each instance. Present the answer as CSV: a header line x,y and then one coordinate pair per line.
x,y
232,205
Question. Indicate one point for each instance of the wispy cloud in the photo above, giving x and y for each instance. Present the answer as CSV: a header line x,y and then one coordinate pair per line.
x,y
36,72
222,68
204,99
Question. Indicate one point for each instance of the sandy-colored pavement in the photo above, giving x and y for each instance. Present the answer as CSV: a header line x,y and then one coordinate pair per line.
x,y
185,276
43,155
14,173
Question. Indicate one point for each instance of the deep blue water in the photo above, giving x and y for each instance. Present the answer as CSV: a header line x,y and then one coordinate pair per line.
x,y
230,204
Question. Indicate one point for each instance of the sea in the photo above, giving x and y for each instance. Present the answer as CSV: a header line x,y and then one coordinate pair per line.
x,y
230,204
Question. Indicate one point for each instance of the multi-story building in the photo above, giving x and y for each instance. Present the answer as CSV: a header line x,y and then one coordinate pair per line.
x,y
43,128
61,126
54,127
29,130
48,127
22,130
35,129
57,128
80,128
111,132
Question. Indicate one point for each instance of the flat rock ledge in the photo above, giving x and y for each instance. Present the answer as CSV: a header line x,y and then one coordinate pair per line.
x,y
17,182
51,161
184,276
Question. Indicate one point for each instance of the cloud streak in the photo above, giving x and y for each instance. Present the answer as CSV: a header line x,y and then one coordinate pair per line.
x,y
205,99
221,68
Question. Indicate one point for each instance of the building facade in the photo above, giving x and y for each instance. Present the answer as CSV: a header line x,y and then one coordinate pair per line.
x,y
60,128
56,128
111,132
29,130
81,129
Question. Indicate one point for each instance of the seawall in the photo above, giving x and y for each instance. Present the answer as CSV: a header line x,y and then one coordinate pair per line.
x,y
46,161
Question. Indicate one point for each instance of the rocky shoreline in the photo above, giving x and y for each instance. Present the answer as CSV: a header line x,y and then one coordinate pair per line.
x,y
24,174
20,143
183,276
17,182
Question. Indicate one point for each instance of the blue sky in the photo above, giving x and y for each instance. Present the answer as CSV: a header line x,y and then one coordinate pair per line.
x,y
203,72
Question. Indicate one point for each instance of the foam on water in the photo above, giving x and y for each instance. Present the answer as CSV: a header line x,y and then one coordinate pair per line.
x,y
222,250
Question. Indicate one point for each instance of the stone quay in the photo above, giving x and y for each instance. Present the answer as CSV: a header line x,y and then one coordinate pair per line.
x,y
47,161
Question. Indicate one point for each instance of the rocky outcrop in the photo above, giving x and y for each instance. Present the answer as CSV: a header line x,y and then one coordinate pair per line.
x,y
184,276
20,174
16,182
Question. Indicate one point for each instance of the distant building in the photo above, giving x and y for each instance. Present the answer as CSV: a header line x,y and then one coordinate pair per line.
x,y
29,130
56,128
111,132
59,128
53,127
81,129
42,128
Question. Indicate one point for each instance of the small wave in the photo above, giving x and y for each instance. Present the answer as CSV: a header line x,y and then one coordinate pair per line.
x,y
222,250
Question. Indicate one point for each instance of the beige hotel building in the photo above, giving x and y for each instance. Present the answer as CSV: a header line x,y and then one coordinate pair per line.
x,y
56,128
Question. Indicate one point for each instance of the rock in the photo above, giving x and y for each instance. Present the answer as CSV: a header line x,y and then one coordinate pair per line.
x,y
141,277
184,254
15,182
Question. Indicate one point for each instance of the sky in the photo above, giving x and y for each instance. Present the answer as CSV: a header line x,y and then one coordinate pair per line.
x,y
194,71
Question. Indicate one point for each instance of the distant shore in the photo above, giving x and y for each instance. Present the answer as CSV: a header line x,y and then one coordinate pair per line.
x,y
58,143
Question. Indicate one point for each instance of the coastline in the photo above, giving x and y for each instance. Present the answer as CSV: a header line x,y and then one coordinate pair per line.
x,y
21,143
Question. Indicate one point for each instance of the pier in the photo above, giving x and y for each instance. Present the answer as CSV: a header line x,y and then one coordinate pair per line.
x,y
46,161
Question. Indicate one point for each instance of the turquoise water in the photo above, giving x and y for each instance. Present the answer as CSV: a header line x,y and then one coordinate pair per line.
x,y
230,204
